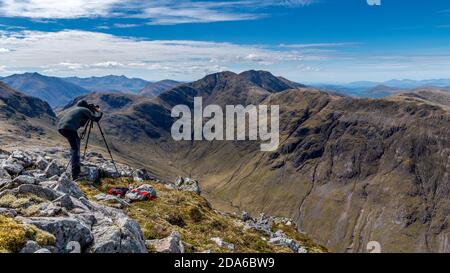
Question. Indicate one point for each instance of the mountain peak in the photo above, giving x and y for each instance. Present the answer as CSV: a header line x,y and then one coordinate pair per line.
x,y
268,81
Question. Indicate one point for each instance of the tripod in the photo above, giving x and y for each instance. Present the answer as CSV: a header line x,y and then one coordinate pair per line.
x,y
86,134
87,129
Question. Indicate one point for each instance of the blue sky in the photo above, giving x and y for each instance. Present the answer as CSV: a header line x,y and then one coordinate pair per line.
x,y
303,40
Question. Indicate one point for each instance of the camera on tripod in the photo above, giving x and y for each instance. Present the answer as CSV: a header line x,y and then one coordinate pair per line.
x,y
93,107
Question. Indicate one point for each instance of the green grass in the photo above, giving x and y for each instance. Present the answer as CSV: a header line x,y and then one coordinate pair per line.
x,y
193,217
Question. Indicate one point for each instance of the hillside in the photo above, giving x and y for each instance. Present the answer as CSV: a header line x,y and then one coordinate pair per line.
x,y
22,116
348,171
155,89
53,90
43,211
109,83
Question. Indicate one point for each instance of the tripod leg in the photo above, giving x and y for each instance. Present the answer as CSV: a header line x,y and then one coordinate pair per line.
x,y
91,125
107,147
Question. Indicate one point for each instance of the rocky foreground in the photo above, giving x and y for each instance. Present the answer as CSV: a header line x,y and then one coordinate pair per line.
x,y
43,211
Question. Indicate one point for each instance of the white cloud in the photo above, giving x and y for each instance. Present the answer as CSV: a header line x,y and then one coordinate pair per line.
x,y
91,53
155,11
53,9
4,50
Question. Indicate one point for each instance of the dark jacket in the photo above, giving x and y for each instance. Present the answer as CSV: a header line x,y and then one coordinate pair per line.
x,y
77,118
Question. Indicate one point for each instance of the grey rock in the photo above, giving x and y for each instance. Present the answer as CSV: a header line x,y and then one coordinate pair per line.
x,y
246,216
37,190
52,169
8,212
107,197
108,170
64,229
41,163
22,158
90,173
50,210
187,184
30,247
117,235
64,201
4,174
170,244
221,243
42,251
66,185
140,175
12,168
24,179
283,241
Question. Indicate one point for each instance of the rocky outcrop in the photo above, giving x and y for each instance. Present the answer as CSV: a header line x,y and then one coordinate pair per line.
x,y
41,194
187,184
170,244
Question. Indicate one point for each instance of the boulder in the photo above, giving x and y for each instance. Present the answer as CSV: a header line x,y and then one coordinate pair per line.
x,y
246,216
140,175
111,198
64,201
12,168
52,169
69,187
24,179
283,241
39,191
109,171
4,174
90,173
22,158
117,234
187,184
8,212
221,243
30,247
170,244
41,163
65,230
42,250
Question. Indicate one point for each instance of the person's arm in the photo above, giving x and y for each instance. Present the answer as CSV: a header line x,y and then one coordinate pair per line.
x,y
94,117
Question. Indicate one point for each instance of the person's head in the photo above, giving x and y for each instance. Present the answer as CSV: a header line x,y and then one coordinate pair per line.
x,y
92,107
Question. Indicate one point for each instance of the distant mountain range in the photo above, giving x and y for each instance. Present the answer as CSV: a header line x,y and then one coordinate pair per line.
x,y
109,83
155,89
53,90
381,89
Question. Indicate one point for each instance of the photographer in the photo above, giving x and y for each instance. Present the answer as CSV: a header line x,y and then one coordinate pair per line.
x,y
69,124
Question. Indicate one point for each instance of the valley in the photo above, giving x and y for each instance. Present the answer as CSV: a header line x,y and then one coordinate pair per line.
x,y
348,170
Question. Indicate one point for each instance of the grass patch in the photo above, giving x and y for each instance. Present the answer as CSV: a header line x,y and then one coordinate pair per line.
x,y
189,214
14,235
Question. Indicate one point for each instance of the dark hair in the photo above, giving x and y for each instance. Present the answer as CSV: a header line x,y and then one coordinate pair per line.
x,y
83,103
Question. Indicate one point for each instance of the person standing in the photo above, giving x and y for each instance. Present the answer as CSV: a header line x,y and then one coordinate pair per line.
x,y
68,126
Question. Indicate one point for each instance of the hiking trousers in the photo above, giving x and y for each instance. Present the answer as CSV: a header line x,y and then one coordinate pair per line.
x,y
74,141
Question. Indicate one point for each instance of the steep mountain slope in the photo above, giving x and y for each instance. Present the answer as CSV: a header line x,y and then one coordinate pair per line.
x,y
53,90
268,81
22,115
349,171
155,89
381,91
428,95
109,83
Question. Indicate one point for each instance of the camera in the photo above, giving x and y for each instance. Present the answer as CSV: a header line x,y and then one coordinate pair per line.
x,y
93,107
